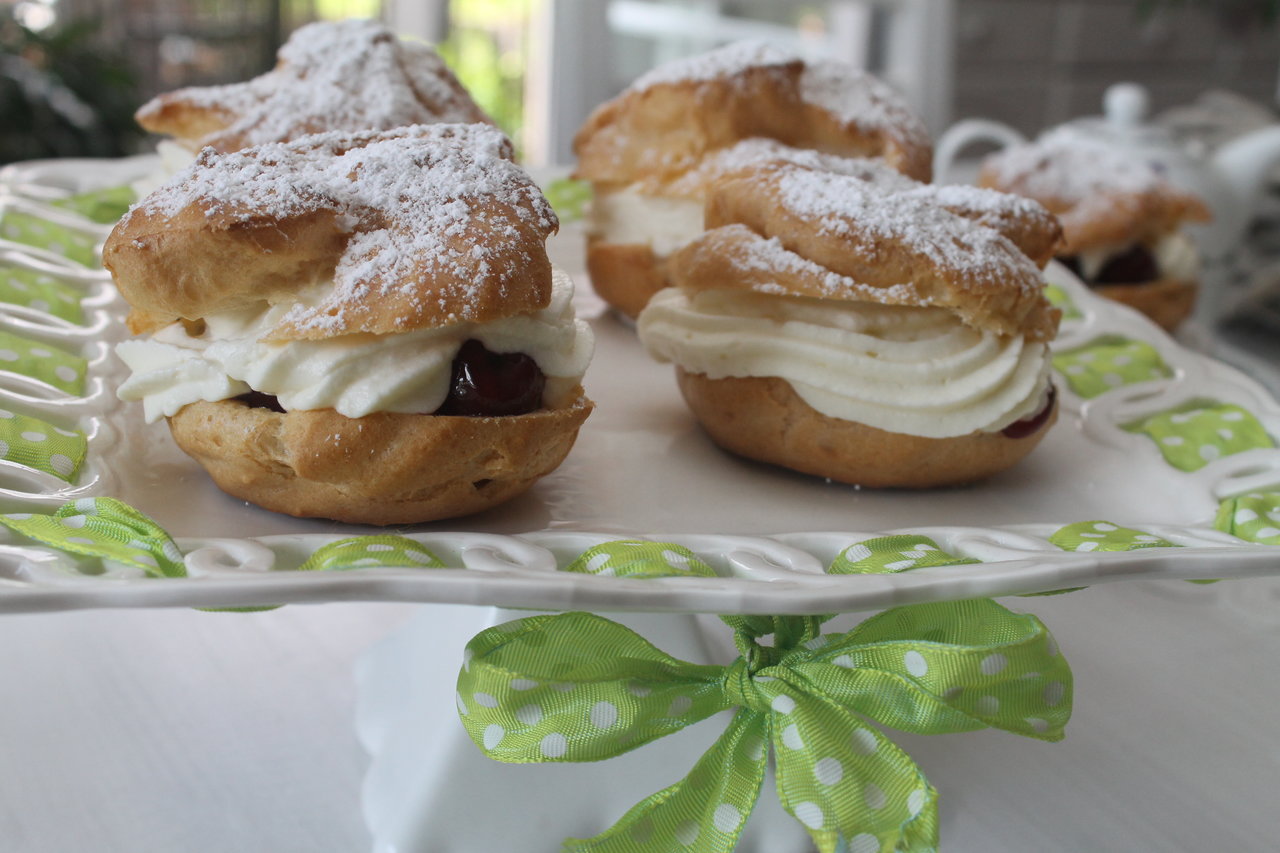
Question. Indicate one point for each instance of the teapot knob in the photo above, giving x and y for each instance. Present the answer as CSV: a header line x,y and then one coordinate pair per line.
x,y
1126,105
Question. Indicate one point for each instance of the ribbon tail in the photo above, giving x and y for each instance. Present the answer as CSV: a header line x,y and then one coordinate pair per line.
x,y
706,811
105,528
852,788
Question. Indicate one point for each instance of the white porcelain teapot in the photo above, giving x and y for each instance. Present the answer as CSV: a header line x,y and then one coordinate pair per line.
x,y
1230,180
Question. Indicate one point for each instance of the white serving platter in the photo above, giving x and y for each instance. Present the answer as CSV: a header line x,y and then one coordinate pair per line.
x,y
641,469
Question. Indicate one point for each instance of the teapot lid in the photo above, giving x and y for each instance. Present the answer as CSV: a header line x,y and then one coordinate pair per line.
x,y
1124,121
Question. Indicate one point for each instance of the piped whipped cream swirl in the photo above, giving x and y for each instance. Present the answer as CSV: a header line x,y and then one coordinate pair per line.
x,y
912,370
354,374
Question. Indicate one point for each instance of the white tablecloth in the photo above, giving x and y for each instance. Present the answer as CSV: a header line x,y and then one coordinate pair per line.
x,y
180,730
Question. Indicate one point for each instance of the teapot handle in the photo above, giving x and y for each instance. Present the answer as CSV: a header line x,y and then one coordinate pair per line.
x,y
963,134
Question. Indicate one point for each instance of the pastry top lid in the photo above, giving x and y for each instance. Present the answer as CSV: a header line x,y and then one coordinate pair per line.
x,y
418,227
843,100
347,75
786,229
1032,228
673,117
1104,194
696,183
725,63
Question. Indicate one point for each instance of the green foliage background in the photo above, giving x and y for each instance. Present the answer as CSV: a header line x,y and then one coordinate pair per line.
x,y
63,95
487,49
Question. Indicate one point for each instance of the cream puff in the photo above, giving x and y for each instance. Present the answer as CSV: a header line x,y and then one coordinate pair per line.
x,y
650,153
1121,216
882,333
349,75
363,327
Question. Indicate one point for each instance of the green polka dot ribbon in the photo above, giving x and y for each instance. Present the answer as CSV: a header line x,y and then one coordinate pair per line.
x,y
1193,435
1104,536
538,690
889,554
105,528
569,198
40,445
41,292
103,206
48,363
370,552
631,558
1110,362
31,230
1060,299
1254,517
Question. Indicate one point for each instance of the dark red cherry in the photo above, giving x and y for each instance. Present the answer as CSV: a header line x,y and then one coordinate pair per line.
x,y
258,400
1033,424
1134,266
489,384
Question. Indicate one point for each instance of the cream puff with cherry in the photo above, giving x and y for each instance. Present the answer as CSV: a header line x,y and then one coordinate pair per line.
x,y
1122,218
363,327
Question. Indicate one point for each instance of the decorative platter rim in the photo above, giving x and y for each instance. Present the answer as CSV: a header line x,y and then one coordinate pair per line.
x,y
780,573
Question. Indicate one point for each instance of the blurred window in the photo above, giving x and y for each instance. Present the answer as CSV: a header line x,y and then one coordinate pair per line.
x,y
540,66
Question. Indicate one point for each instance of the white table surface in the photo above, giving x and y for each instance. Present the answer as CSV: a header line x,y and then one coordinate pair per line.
x,y
150,731
180,730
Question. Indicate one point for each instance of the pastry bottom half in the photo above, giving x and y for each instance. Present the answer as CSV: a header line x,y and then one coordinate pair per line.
x,y
626,275
1167,301
379,469
763,418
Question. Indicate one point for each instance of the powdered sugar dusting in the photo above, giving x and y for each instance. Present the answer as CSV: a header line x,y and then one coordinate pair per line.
x,y
849,207
435,84
346,75
233,98
1071,169
413,197
981,200
855,97
756,254
755,151
985,207
1026,222
725,62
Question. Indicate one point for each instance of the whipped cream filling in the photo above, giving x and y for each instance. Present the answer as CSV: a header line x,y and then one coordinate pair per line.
x,y
1175,254
174,157
353,374
912,370
1177,257
628,217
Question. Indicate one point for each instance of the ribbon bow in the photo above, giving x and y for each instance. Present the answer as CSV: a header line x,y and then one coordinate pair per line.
x,y
578,687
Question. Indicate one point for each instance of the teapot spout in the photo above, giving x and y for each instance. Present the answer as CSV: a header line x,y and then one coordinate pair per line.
x,y
1245,162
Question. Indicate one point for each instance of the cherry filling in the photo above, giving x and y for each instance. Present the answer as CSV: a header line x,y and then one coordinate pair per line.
x,y
483,384
1135,265
490,384
1032,425
258,400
